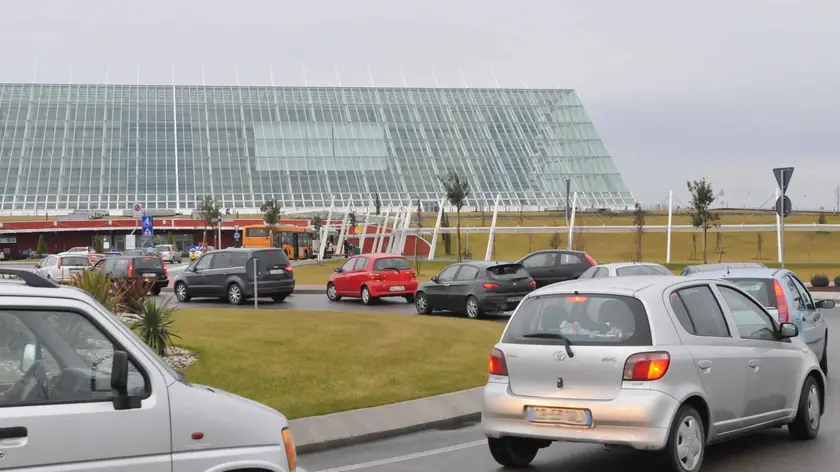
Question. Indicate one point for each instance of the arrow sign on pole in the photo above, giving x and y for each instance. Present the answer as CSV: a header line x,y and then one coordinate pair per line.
x,y
783,175
783,206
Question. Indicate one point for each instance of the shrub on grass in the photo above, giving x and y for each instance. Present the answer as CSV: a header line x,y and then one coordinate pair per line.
x,y
819,280
837,281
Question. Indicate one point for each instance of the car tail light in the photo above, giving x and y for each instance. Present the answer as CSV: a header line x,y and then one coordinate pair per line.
x,y
291,450
532,283
58,265
591,260
497,364
781,302
413,275
646,366
490,286
165,271
576,299
130,269
289,269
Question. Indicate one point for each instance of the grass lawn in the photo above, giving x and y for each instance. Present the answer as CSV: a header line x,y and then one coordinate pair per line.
x,y
312,363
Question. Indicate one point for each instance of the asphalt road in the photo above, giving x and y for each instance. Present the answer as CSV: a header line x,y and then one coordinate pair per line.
x,y
465,449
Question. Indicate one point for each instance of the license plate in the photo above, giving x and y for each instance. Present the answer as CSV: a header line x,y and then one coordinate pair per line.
x,y
276,271
397,288
566,416
515,299
149,276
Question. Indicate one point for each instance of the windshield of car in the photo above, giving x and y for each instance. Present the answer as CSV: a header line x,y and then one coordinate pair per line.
x,y
760,289
584,319
391,263
507,271
71,261
147,263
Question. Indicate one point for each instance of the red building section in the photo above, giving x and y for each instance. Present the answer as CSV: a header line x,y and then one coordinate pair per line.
x,y
62,235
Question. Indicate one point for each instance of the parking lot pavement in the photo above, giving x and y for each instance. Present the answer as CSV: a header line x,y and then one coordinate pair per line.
x,y
465,448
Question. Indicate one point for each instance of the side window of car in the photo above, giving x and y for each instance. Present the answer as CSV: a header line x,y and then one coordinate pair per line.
x,y
804,299
204,262
238,259
221,260
698,312
567,259
751,321
67,356
601,272
589,273
121,266
361,263
448,273
348,266
467,273
543,259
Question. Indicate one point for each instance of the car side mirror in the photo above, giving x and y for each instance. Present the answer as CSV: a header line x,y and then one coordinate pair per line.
x,y
788,330
27,358
119,383
436,279
825,304
337,270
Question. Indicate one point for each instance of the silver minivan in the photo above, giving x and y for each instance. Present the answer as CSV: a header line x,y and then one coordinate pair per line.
x,y
79,391
661,363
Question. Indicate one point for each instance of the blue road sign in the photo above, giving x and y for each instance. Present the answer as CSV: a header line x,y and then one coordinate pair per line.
x,y
148,233
192,248
147,222
236,235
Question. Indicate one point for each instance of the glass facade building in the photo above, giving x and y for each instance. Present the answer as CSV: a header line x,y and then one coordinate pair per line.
x,y
104,147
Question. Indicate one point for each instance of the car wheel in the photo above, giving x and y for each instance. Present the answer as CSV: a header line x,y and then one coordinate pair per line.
x,y
421,303
473,308
513,452
806,425
181,292
367,298
280,297
686,445
332,293
409,298
824,360
234,294
156,291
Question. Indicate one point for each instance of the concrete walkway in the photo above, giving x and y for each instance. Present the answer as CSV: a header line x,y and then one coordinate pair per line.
x,y
369,424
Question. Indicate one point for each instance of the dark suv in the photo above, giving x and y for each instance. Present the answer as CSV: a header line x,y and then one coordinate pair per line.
x,y
136,267
229,274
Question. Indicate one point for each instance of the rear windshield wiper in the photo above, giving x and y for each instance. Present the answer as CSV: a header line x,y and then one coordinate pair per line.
x,y
566,342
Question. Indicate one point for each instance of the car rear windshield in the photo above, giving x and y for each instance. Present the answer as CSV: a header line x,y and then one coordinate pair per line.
x,y
391,263
641,270
271,259
74,261
147,263
760,289
508,271
588,320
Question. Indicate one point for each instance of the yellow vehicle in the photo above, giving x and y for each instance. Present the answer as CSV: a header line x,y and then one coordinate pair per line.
x,y
296,241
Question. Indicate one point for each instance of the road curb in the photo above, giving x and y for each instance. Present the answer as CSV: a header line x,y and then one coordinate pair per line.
x,y
335,430
299,291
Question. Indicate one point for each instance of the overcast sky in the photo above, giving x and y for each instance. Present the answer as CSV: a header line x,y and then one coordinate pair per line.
x,y
722,89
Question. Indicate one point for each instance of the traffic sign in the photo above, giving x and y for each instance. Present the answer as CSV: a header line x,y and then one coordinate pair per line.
x,y
148,233
138,209
783,206
783,175
236,235
147,222
192,248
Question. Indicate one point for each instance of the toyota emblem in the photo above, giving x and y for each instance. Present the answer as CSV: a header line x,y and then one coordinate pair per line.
x,y
560,356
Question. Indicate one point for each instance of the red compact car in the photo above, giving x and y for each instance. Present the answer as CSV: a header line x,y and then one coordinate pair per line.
x,y
373,276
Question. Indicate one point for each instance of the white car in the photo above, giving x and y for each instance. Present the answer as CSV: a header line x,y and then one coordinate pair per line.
x,y
624,269
80,391
658,363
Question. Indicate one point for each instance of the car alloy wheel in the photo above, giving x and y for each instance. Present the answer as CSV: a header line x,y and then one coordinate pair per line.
x,y
181,292
366,298
421,303
332,293
234,294
473,311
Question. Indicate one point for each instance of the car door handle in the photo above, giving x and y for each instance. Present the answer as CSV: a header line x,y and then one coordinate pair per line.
x,y
755,363
15,432
704,364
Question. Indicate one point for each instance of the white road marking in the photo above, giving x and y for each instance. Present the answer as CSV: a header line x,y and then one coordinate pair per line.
x,y
407,457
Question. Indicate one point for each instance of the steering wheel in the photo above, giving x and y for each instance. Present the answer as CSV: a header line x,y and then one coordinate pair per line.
x,y
34,376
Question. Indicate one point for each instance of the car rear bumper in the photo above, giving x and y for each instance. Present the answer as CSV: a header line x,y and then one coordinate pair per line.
x,y
266,288
506,301
383,289
636,418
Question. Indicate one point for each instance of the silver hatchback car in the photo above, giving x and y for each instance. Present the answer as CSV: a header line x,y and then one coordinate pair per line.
x,y
662,363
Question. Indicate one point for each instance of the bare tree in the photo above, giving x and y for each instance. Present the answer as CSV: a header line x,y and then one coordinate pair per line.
x,y
638,229
759,243
210,213
702,197
447,237
377,204
457,191
418,222
271,215
556,241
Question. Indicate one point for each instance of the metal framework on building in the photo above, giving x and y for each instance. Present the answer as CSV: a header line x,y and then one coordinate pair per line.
x,y
105,147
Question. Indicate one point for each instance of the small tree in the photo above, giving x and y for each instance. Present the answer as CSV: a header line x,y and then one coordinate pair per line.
x,y
759,243
810,235
210,212
98,247
42,245
821,220
271,215
170,238
418,222
702,197
579,241
556,241
447,237
457,191
377,204
316,223
638,229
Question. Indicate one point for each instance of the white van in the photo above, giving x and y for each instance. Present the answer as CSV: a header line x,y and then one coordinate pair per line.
x,y
79,391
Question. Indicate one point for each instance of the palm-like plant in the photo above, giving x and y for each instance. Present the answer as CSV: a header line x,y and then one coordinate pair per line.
x,y
457,191
99,286
153,323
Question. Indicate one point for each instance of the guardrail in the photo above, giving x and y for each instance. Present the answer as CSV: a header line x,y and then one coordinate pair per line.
x,y
623,229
